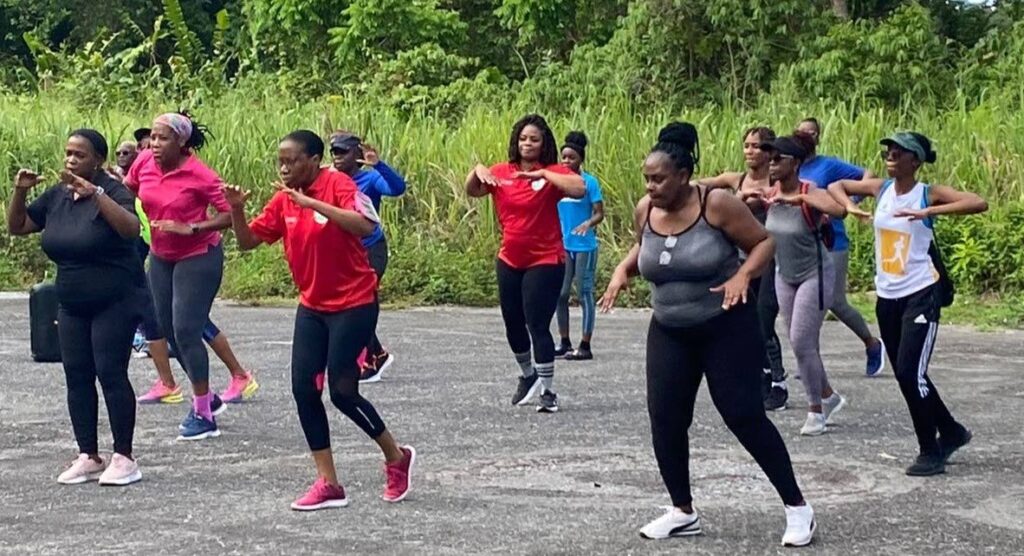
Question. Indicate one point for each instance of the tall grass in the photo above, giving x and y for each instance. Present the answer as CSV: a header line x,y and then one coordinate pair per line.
x,y
443,243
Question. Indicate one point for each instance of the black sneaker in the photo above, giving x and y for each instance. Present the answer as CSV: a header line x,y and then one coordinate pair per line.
x,y
526,389
579,354
563,348
949,446
926,465
548,403
776,399
369,373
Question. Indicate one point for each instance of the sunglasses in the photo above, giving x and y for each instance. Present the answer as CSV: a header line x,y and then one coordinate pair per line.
x,y
337,150
780,157
893,153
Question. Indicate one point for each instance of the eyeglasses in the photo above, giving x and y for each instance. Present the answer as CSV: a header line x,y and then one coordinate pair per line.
x,y
123,153
341,152
780,157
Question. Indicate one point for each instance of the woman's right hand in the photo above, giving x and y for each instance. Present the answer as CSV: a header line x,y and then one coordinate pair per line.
x,y
619,282
483,173
235,196
27,179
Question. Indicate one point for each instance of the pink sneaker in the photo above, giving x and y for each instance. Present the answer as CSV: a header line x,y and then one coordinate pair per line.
x,y
83,469
241,389
161,393
122,471
320,496
398,476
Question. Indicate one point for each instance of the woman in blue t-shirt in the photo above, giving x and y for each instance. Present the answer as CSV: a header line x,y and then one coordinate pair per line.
x,y
823,170
579,218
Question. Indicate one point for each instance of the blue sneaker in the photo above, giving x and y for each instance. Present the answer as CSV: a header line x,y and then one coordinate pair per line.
x,y
197,427
876,359
217,406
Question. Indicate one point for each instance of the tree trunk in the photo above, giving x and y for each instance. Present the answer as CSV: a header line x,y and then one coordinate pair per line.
x,y
840,9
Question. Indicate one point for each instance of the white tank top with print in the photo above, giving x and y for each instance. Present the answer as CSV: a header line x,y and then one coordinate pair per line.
x,y
902,263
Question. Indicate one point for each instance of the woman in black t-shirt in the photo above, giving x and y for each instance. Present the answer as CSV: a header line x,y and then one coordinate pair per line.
x,y
89,228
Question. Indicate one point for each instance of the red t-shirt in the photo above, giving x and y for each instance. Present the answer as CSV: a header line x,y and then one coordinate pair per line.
x,y
182,195
329,265
528,213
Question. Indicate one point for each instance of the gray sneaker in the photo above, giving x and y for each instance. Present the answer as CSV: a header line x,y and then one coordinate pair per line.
x,y
548,403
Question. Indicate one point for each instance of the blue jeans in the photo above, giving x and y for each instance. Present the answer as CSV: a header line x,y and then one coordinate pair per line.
x,y
581,266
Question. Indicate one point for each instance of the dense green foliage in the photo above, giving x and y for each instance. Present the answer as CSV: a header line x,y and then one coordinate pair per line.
x,y
436,85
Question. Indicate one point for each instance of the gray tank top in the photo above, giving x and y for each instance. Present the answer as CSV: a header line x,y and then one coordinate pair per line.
x,y
681,269
796,245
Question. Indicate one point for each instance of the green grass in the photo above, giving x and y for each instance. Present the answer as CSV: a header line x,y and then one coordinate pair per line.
x,y
443,243
985,312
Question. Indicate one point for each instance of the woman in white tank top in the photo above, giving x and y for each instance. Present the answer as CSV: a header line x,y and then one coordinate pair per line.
x,y
907,281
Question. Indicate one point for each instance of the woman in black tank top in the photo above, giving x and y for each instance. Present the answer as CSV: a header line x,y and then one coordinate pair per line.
x,y
686,247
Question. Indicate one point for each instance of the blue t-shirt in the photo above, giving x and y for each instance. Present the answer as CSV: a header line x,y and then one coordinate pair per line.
x,y
573,212
823,170
374,183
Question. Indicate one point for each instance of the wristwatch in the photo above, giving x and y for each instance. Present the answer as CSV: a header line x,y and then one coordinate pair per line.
x,y
99,191
194,228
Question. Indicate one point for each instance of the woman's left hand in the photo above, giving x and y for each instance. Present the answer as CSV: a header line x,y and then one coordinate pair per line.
x,y
172,227
300,198
794,200
913,214
735,290
582,229
79,185
532,174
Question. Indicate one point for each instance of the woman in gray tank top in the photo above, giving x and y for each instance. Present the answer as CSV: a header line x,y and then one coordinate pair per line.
x,y
805,276
687,239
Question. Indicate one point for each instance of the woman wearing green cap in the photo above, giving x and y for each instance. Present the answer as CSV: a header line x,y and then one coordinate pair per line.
x,y
911,285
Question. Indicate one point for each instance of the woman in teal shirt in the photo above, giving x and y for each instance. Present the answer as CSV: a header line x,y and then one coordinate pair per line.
x,y
579,218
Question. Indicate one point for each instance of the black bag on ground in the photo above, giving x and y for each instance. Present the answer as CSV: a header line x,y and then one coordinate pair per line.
x,y
42,311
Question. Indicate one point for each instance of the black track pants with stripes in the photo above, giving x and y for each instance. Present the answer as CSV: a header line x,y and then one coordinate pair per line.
x,y
909,326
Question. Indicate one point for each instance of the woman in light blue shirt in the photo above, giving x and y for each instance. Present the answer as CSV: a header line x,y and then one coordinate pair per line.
x,y
579,218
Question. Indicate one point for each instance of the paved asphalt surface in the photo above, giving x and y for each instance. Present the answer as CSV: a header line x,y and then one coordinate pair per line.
x,y
496,479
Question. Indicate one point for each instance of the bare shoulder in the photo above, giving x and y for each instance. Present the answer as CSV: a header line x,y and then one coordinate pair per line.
x,y
721,206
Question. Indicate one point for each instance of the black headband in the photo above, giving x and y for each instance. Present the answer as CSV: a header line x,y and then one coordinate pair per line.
x,y
99,144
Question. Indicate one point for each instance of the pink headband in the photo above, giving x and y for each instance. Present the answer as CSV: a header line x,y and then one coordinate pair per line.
x,y
181,125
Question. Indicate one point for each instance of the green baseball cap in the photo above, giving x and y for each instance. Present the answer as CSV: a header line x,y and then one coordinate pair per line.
x,y
908,142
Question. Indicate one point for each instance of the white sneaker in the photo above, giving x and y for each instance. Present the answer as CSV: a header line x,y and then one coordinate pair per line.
x,y
82,470
675,523
814,425
831,405
800,526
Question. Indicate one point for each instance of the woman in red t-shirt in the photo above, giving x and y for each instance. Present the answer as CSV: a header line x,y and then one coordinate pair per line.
x,y
531,261
321,218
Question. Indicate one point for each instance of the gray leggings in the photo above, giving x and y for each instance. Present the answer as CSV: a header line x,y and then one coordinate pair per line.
x,y
183,292
840,307
799,306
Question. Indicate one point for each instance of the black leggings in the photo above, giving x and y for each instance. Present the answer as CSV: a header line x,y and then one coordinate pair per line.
x,y
528,301
378,253
728,349
767,313
183,292
97,344
909,326
332,341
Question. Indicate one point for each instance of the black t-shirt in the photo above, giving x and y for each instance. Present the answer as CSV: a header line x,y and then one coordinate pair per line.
x,y
95,265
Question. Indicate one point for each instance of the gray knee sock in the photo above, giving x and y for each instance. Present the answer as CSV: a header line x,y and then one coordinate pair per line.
x,y
525,364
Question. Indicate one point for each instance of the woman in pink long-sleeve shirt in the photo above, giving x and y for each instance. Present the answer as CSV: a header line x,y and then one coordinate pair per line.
x,y
177,191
